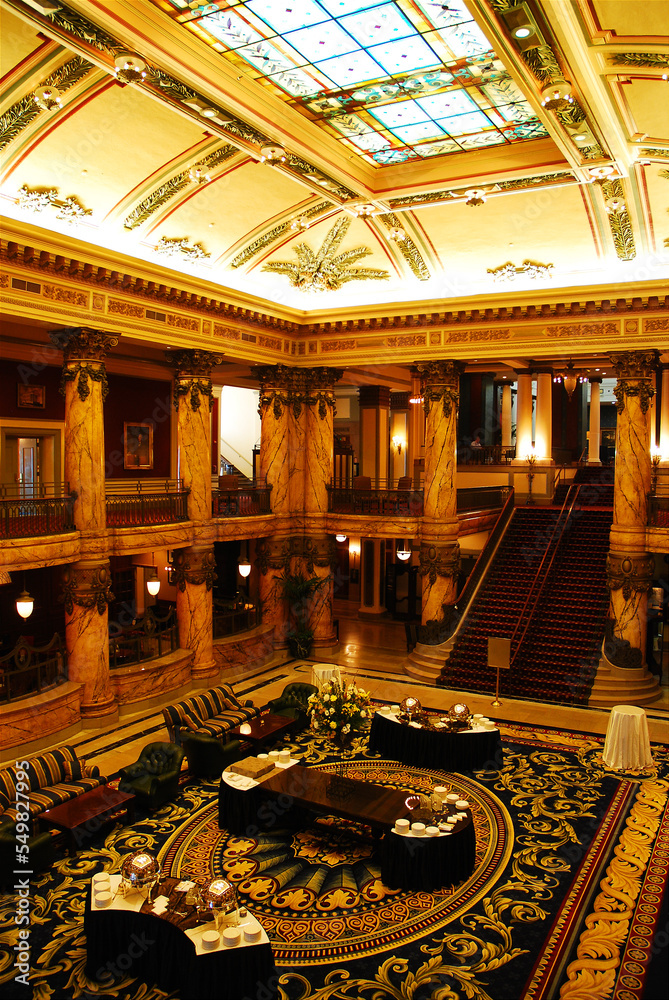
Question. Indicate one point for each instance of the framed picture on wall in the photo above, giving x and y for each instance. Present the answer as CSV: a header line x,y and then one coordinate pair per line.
x,y
137,446
31,396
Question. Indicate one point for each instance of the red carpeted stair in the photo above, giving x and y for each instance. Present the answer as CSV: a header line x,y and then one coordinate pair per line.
x,y
596,482
559,652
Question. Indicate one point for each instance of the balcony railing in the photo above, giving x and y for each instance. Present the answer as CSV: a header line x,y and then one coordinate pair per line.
x,y
26,516
658,512
409,502
147,638
28,669
229,620
247,499
137,503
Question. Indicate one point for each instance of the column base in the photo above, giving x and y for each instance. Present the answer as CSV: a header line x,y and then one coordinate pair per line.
x,y
106,711
204,671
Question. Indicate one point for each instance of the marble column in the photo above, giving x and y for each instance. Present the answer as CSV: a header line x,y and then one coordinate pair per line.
x,y
87,583
629,566
372,556
507,440
594,429
440,549
524,440
297,408
543,438
664,416
194,567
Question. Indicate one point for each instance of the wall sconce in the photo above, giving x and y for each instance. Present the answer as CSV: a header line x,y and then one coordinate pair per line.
x,y
24,602
398,443
655,459
354,549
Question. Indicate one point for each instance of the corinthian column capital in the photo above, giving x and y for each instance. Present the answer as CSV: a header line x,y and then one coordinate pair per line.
x,y
192,375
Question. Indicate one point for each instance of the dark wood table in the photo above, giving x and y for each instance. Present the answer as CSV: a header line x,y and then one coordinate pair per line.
x,y
264,729
81,817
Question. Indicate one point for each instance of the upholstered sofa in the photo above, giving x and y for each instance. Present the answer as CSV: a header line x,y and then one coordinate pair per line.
x,y
54,777
214,712
154,778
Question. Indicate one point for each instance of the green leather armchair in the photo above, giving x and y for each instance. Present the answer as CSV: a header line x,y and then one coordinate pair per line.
x,y
207,756
154,778
292,702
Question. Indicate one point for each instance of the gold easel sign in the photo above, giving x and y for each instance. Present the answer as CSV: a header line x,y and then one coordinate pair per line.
x,y
499,657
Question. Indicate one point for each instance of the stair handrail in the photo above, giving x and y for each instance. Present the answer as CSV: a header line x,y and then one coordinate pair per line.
x,y
487,552
231,447
538,576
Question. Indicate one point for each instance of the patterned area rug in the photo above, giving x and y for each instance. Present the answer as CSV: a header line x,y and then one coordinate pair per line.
x,y
564,900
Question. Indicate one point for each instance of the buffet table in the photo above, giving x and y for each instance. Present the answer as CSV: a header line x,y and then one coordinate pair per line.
x,y
425,863
123,939
469,750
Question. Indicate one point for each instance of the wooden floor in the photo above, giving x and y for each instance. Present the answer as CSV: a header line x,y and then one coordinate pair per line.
x,y
372,654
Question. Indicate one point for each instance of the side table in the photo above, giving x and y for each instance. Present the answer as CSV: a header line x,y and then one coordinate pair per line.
x,y
627,744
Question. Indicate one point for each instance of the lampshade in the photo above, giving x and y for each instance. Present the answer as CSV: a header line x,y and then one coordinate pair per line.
x,y
244,567
153,583
24,604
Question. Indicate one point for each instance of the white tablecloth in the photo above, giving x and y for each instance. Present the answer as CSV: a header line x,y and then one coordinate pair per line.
x,y
627,744
321,672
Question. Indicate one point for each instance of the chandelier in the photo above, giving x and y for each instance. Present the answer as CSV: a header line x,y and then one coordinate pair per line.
x,y
570,378
198,175
272,155
48,98
556,96
475,196
130,68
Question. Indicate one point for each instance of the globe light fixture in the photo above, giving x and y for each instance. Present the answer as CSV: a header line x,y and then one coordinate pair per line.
x,y
130,68
244,567
48,98
153,583
340,538
24,604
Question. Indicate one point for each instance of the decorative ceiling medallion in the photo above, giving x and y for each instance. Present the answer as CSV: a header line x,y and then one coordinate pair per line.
x,y
528,269
175,247
405,245
67,209
323,271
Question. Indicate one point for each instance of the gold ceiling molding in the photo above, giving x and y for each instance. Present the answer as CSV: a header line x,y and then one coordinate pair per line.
x,y
518,184
656,152
620,222
529,269
584,330
67,209
407,248
275,234
647,59
70,24
170,188
325,270
172,247
21,114
35,262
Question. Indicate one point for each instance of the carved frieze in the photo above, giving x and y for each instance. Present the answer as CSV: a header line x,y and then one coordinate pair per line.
x,y
194,566
124,308
439,560
584,330
61,294
86,586
629,573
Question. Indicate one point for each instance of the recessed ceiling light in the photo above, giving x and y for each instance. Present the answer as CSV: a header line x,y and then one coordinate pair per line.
x,y
522,32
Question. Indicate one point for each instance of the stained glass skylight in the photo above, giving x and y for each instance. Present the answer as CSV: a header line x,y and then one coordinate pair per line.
x,y
392,81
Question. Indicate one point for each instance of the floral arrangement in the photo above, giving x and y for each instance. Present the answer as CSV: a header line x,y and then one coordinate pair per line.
x,y
338,710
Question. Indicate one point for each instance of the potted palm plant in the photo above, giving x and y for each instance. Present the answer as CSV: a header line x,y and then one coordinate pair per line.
x,y
298,589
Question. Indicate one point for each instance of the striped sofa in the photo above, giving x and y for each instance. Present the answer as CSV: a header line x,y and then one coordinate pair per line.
x,y
214,712
54,777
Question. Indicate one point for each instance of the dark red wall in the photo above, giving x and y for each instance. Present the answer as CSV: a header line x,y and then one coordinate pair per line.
x,y
137,401
15,373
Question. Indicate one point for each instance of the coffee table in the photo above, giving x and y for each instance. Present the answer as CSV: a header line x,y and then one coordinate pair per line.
x,y
83,816
265,729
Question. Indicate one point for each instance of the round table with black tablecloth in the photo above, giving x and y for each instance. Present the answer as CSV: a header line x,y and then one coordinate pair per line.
x,y
426,863
447,751
120,942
